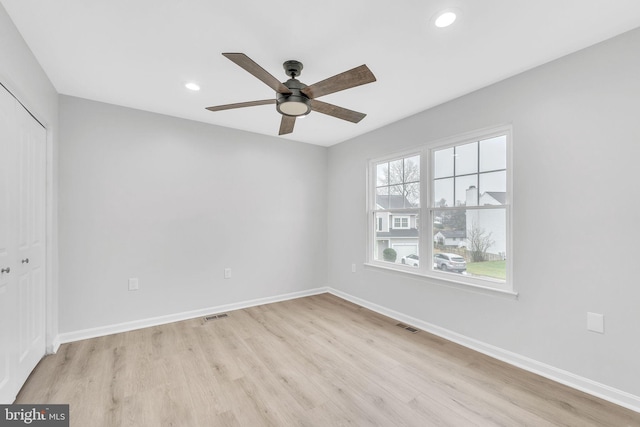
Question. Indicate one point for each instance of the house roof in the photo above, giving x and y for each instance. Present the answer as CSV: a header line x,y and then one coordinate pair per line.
x,y
450,234
499,196
394,201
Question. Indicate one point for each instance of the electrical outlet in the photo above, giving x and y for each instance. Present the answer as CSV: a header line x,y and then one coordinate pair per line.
x,y
595,322
134,285
227,273
353,268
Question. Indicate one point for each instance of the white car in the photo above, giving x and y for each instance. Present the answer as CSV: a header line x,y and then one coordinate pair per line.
x,y
450,262
412,259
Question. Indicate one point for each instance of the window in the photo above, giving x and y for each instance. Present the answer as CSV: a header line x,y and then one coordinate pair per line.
x,y
400,222
458,193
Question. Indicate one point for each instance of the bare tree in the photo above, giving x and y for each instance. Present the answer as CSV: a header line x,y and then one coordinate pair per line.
x,y
403,178
479,241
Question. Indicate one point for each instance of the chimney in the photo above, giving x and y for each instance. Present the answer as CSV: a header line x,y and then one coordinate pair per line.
x,y
472,196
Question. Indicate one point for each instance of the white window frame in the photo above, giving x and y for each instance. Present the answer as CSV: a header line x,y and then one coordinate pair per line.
x,y
401,217
427,209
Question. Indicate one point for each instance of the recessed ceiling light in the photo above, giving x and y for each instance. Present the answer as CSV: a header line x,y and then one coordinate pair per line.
x,y
192,86
445,19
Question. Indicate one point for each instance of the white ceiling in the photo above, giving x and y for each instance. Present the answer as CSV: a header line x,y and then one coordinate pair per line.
x,y
140,53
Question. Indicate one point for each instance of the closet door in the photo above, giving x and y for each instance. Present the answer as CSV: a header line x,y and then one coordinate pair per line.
x,y
8,208
22,245
30,230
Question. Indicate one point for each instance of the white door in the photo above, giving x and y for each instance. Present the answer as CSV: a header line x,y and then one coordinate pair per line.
x,y
22,216
30,270
8,308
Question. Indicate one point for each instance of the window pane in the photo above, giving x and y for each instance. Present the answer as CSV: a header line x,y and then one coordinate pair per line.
x,y
470,242
443,163
396,245
396,172
396,197
382,174
412,192
452,220
493,188
412,169
449,236
493,154
382,198
486,243
467,190
466,158
443,192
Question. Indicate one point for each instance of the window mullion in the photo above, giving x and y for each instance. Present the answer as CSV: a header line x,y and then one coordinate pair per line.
x,y
426,196
478,170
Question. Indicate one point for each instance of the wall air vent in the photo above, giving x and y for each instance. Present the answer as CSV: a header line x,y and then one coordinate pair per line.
x,y
216,316
408,328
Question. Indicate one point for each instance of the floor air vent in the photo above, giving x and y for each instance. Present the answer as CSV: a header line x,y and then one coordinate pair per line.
x,y
408,328
216,316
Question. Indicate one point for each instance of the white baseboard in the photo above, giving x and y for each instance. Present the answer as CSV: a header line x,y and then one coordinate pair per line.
x,y
176,317
55,345
569,379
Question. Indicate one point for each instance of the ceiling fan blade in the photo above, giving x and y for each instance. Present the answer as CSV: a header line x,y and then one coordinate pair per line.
x,y
358,76
241,105
249,65
286,125
335,111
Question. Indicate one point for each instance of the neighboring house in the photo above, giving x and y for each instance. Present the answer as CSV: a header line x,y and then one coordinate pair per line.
x,y
397,230
455,238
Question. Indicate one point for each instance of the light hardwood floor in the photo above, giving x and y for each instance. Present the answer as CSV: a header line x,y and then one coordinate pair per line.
x,y
314,361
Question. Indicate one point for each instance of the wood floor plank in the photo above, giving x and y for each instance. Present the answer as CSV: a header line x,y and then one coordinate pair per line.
x,y
314,361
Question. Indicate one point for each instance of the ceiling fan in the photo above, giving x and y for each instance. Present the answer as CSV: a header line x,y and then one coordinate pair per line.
x,y
294,98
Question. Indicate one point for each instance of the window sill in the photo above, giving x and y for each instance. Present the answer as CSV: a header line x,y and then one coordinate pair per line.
x,y
445,281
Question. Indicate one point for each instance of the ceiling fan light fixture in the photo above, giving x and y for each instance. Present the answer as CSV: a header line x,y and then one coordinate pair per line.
x,y
294,105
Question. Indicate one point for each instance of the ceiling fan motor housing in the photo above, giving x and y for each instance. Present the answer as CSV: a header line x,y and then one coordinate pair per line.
x,y
293,68
296,103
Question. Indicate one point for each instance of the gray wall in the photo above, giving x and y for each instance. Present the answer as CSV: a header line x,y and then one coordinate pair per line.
x,y
173,202
22,75
575,176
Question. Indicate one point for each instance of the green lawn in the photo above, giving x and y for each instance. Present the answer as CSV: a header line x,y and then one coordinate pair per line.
x,y
495,269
